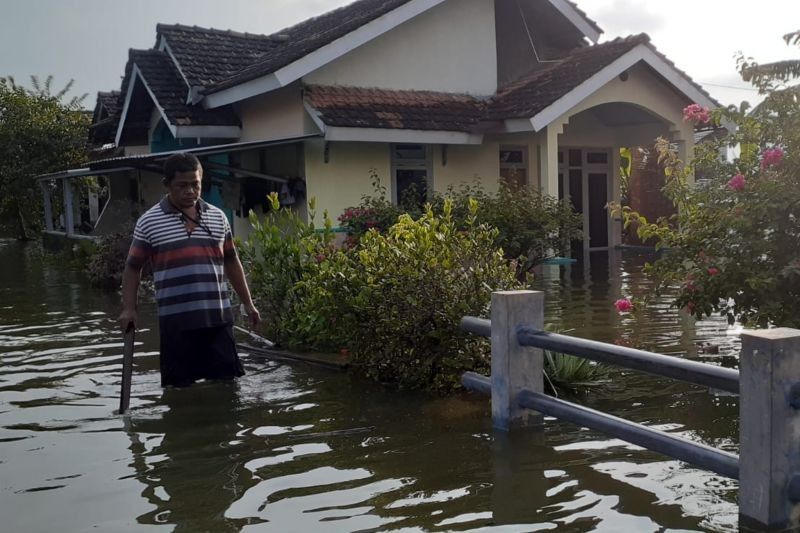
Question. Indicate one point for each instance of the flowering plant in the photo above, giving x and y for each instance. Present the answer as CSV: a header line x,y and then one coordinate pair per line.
x,y
696,114
624,305
734,245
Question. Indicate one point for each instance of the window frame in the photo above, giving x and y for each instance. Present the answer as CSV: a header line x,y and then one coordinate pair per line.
x,y
425,164
525,165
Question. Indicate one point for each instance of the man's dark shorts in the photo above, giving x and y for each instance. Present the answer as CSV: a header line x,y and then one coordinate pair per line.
x,y
190,355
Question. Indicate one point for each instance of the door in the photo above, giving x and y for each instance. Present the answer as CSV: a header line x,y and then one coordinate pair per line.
x,y
598,214
584,175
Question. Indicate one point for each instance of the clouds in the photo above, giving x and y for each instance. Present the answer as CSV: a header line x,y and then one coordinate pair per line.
x,y
89,39
623,17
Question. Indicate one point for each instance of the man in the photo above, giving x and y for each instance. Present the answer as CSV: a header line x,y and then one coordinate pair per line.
x,y
190,247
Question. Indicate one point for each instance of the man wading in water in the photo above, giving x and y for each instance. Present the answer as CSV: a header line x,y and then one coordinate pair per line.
x,y
190,247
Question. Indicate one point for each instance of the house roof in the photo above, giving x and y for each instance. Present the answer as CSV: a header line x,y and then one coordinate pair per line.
x,y
360,107
207,56
584,16
537,91
391,109
105,118
163,79
109,101
530,94
295,42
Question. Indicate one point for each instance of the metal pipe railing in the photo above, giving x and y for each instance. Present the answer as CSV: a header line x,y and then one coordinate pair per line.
x,y
768,383
723,463
667,366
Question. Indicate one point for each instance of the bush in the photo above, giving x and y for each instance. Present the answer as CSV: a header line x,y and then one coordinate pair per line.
x,y
531,226
734,245
375,211
416,282
107,260
323,315
278,254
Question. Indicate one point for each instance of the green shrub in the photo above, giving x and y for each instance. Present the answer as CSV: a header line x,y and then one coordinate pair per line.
x,y
279,253
531,226
323,314
375,211
416,282
105,260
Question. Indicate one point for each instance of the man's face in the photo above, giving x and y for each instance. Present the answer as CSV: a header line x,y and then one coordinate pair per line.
x,y
184,189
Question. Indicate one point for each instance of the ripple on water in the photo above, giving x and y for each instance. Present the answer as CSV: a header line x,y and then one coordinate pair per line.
x,y
306,449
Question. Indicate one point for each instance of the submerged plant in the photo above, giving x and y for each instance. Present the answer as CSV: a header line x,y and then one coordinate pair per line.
x,y
568,373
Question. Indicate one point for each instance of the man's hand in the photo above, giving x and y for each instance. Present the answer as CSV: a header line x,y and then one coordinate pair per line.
x,y
128,318
252,314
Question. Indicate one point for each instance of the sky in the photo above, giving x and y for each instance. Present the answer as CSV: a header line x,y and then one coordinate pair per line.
x,y
88,40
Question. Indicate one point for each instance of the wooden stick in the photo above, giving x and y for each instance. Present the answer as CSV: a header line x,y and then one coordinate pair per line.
x,y
259,338
127,370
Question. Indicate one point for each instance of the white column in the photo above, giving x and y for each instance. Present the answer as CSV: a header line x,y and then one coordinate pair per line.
x,y
615,222
548,161
69,221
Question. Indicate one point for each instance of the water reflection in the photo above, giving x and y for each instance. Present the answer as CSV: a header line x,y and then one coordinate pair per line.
x,y
295,448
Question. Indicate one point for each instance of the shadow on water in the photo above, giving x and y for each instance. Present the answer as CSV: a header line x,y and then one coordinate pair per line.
x,y
295,448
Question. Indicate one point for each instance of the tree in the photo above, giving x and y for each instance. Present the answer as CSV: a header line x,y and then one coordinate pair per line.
x,y
734,245
39,133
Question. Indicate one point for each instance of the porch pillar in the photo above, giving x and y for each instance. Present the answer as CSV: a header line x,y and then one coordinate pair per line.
x,y
685,147
615,222
548,161
48,206
69,222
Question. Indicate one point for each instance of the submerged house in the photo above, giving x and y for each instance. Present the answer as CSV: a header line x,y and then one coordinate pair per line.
x,y
429,93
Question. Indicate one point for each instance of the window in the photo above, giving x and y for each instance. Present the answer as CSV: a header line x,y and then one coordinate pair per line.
x,y
411,172
514,165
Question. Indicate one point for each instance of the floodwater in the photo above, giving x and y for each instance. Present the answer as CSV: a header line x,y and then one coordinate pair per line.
x,y
298,448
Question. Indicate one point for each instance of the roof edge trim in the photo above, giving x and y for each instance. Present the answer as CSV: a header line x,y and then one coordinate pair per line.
x,y
578,19
641,52
321,56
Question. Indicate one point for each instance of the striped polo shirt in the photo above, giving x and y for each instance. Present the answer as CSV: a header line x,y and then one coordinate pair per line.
x,y
188,268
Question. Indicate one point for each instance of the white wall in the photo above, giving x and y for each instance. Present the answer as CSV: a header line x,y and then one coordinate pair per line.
x,y
274,115
451,48
339,184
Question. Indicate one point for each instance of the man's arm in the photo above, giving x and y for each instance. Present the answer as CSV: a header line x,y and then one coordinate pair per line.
x,y
131,277
235,274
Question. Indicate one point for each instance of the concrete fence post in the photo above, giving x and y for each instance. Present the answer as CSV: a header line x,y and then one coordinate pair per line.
x,y
514,367
769,411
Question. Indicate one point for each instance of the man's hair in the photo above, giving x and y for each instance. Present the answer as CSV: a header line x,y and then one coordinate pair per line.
x,y
180,162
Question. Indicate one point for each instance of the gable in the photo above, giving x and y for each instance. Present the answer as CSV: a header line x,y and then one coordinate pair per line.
x,y
449,48
530,34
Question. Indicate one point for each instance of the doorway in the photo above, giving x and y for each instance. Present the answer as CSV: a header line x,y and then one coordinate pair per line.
x,y
584,176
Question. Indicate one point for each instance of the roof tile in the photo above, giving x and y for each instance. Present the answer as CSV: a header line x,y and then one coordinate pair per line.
x,y
170,90
393,109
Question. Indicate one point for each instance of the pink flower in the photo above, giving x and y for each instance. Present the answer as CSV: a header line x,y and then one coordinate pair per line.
x,y
713,271
772,157
737,183
690,307
623,305
697,114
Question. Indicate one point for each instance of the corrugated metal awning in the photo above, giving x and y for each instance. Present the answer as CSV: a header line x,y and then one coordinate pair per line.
x,y
80,172
137,161
134,162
